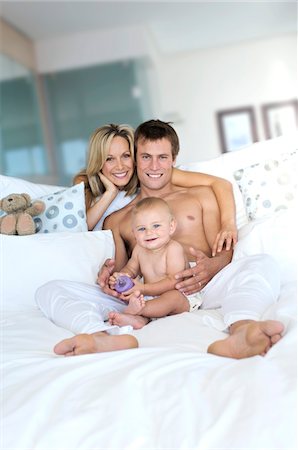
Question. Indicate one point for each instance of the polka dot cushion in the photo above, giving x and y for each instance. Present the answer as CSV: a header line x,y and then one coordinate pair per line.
x,y
65,211
268,186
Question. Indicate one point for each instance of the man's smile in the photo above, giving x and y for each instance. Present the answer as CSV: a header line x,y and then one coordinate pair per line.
x,y
154,175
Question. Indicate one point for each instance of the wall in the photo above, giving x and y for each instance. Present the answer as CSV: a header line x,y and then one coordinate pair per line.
x,y
187,88
194,86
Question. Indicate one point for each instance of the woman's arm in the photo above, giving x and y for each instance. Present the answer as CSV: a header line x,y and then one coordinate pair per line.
x,y
96,210
223,191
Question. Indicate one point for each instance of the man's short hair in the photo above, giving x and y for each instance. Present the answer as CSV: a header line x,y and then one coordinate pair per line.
x,y
153,130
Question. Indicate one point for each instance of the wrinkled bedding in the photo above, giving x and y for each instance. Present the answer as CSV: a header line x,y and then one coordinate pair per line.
x,y
169,393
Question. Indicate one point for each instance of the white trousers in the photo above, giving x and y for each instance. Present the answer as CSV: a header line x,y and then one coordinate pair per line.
x,y
244,289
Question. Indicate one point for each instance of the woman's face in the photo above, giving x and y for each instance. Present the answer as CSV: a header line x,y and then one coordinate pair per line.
x,y
119,165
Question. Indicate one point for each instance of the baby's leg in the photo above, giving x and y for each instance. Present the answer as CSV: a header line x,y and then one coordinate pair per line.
x,y
136,304
123,319
169,303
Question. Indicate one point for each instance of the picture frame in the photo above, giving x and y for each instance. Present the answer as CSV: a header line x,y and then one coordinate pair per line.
x,y
280,118
237,128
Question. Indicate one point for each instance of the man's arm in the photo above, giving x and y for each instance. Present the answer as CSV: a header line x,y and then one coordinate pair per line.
x,y
109,266
206,267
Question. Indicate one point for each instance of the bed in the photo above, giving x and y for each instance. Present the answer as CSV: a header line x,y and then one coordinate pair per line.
x,y
169,393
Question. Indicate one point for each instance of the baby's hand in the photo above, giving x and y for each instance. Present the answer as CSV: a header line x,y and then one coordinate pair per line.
x,y
137,287
123,284
113,279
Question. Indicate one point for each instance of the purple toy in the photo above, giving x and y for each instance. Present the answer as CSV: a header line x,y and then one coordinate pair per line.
x,y
123,283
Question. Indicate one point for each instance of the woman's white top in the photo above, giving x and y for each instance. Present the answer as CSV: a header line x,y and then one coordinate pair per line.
x,y
119,202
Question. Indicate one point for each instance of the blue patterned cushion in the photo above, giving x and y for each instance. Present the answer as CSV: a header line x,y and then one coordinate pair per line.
x,y
65,211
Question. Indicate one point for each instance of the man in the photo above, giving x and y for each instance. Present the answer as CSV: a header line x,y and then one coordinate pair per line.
x,y
243,289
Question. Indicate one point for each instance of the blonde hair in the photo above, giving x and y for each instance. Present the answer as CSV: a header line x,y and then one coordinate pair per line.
x,y
98,150
151,202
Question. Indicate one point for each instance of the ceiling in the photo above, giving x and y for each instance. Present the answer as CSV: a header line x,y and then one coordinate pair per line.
x,y
174,26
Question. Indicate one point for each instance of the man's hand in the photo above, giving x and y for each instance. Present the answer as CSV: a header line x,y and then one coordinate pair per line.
x,y
103,277
195,278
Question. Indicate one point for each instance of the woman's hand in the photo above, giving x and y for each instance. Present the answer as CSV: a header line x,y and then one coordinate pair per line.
x,y
108,185
226,238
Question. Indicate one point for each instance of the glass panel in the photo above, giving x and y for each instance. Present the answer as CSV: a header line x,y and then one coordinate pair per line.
x,y
83,99
22,149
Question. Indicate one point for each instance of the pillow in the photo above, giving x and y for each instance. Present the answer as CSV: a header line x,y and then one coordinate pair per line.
x,y
268,186
10,185
31,261
65,211
227,163
217,168
275,235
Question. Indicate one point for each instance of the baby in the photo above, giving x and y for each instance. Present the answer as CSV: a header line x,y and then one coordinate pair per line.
x,y
157,258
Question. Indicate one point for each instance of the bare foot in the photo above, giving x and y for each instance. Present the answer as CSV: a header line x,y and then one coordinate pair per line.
x,y
94,343
136,304
122,319
248,338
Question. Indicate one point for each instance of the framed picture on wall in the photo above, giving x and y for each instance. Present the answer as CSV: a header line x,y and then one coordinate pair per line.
x,y
237,128
280,118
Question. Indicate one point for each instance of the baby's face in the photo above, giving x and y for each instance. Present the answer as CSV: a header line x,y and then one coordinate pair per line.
x,y
153,228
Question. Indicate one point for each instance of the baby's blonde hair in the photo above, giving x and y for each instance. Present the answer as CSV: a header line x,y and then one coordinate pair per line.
x,y
151,202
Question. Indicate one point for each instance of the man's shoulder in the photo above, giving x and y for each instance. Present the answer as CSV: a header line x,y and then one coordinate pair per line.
x,y
118,215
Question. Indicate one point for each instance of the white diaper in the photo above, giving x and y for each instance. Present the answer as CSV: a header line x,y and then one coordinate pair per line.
x,y
194,300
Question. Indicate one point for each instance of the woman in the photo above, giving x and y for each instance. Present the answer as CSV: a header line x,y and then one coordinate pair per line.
x,y
111,182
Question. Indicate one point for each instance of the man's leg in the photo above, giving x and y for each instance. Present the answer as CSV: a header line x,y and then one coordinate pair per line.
x,y
94,343
248,338
78,307
244,290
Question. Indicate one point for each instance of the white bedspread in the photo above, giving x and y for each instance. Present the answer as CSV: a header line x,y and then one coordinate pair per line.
x,y
167,394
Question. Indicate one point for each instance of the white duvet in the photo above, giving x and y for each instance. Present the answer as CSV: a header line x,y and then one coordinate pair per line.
x,y
168,394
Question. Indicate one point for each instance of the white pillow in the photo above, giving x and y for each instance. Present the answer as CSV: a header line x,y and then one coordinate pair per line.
x,y
226,164
268,186
31,261
65,211
276,236
217,168
12,185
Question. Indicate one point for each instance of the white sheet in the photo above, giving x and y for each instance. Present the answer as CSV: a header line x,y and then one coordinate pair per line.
x,y
167,394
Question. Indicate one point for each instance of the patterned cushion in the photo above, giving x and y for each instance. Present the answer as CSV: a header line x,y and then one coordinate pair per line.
x,y
268,186
65,211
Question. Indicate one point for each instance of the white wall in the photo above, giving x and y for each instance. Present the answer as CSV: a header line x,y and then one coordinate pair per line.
x,y
93,47
188,88
194,86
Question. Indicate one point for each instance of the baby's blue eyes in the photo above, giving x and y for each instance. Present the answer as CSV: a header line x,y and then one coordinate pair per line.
x,y
156,225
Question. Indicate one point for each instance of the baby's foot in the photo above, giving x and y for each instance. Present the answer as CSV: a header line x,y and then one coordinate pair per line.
x,y
123,319
136,304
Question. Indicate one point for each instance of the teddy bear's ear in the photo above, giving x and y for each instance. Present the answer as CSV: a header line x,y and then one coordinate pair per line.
x,y
27,198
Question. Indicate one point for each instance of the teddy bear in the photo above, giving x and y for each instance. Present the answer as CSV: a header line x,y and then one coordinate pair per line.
x,y
20,210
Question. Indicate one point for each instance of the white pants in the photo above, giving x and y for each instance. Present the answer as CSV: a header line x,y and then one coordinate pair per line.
x,y
243,289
